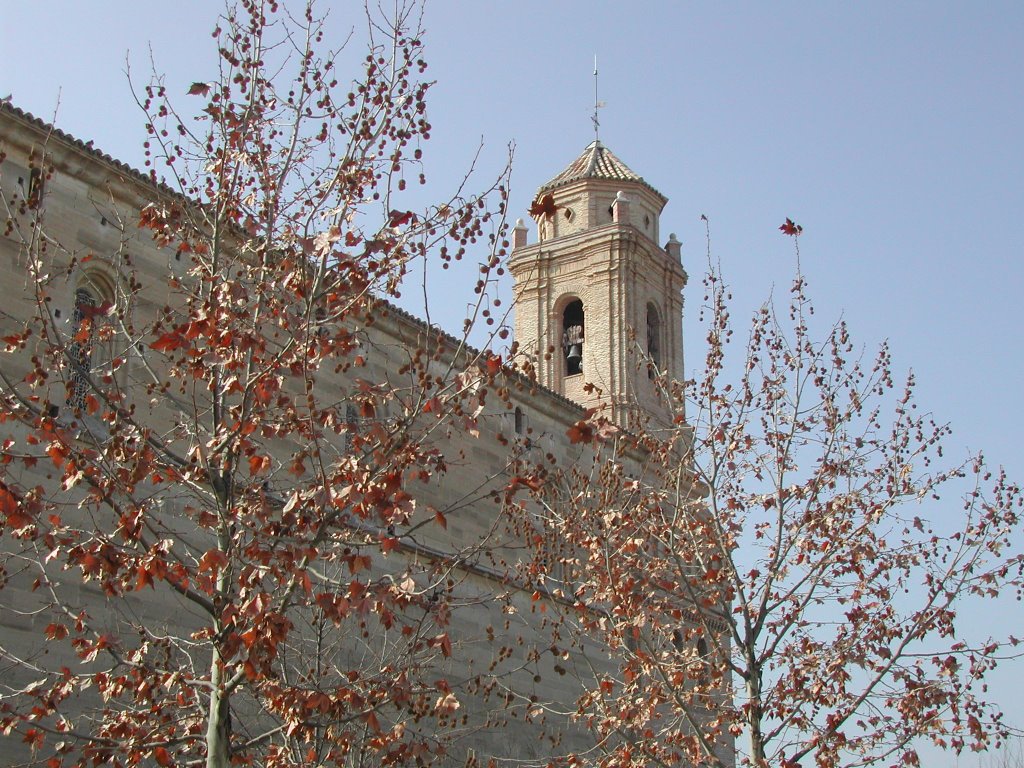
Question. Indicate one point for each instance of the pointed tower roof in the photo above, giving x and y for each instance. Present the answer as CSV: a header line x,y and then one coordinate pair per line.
x,y
597,162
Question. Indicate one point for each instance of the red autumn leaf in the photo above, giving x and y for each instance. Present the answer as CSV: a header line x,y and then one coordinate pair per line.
x,y
99,311
56,631
34,737
493,364
544,206
199,89
249,669
372,722
440,519
378,246
89,563
388,544
359,563
143,578
212,560
18,519
57,453
162,756
258,465
580,432
791,228
198,328
8,501
401,218
249,637
168,342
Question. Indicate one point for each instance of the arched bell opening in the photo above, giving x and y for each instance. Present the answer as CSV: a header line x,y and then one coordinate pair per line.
x,y
573,337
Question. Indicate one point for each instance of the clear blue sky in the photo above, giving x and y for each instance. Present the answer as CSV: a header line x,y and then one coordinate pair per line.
x,y
894,133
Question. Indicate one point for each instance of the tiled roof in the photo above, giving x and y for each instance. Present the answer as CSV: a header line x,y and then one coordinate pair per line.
x,y
50,130
596,162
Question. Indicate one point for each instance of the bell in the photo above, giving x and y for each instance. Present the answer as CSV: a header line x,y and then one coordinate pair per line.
x,y
575,353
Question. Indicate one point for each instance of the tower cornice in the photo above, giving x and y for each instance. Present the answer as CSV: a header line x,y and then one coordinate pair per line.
x,y
593,239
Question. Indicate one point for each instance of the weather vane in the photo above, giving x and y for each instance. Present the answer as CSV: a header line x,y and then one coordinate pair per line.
x,y
597,105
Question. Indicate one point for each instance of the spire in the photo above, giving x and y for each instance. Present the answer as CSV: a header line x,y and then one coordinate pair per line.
x,y
597,105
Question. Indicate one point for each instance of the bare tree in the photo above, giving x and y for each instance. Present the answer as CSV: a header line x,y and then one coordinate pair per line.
x,y
204,477
786,567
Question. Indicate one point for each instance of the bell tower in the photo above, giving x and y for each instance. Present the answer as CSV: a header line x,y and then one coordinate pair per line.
x,y
598,301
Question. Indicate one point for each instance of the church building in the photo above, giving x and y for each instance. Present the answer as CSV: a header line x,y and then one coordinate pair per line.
x,y
598,318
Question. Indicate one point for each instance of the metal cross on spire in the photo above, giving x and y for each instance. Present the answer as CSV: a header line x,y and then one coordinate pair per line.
x,y
597,105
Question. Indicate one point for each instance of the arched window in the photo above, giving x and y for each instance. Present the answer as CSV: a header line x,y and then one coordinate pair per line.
x,y
351,425
653,339
572,337
83,339
520,421
94,299
35,187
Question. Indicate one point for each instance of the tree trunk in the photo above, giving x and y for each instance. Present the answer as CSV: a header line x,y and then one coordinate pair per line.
x,y
757,756
218,724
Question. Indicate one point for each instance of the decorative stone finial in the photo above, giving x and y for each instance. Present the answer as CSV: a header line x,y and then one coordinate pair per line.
x,y
620,208
519,234
673,247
